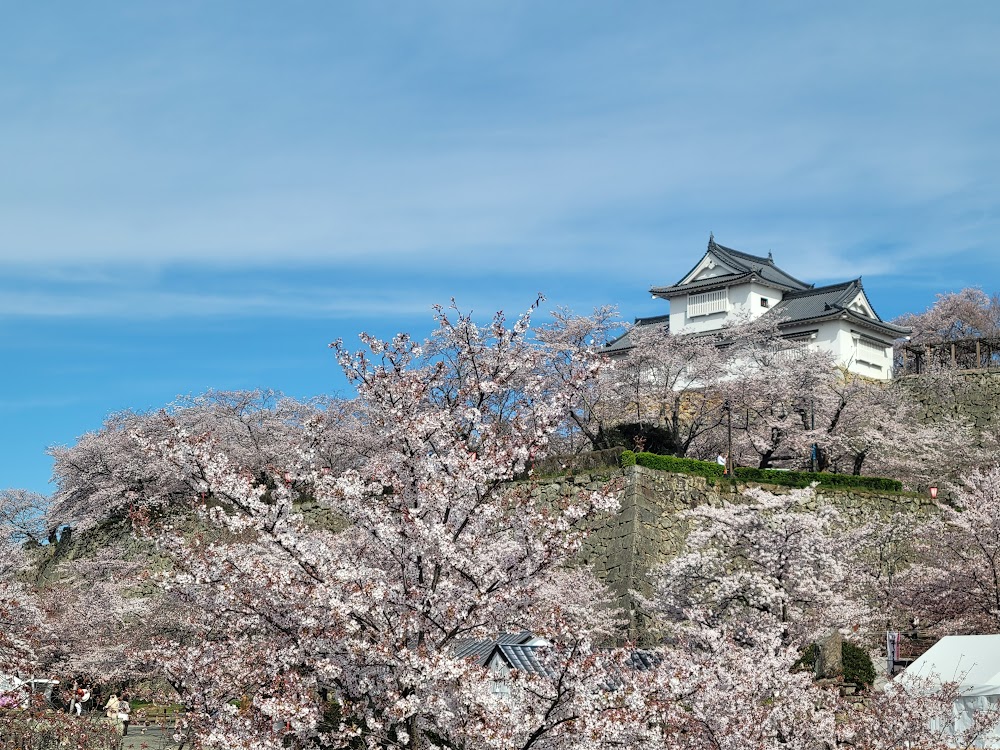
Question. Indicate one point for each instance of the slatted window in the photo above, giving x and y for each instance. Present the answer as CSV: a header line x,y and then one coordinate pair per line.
x,y
869,348
708,303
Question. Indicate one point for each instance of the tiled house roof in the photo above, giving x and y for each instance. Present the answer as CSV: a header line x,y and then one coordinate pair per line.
x,y
826,303
744,267
622,344
482,650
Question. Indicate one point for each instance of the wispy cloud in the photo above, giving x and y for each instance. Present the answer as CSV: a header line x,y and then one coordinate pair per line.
x,y
115,302
483,148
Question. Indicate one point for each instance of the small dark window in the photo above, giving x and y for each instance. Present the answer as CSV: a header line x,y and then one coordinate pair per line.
x,y
765,302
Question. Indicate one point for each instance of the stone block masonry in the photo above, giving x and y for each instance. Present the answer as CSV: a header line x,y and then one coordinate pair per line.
x,y
647,530
972,395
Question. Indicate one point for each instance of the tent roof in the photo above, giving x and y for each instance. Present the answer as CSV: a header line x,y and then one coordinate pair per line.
x,y
973,661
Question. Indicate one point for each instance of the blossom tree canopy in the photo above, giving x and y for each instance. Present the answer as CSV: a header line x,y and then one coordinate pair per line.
x,y
438,546
954,585
773,564
956,315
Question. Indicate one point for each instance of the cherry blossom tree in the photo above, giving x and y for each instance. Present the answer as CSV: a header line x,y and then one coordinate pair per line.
x,y
969,313
775,563
772,390
727,693
22,514
954,585
664,384
103,617
439,546
108,473
566,339
868,426
19,615
883,550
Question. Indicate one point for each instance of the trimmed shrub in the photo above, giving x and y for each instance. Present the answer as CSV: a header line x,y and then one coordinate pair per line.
x,y
627,458
713,472
707,469
807,659
858,667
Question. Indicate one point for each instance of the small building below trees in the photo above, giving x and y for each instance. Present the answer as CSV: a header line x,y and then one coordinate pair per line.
x,y
727,285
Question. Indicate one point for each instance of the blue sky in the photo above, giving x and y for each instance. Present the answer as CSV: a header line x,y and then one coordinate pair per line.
x,y
198,195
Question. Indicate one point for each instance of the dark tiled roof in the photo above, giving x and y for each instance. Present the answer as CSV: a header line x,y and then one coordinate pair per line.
x,y
816,303
482,650
523,658
827,302
623,343
515,649
744,265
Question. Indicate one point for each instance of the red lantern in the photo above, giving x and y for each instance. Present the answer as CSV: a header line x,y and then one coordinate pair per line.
x,y
933,490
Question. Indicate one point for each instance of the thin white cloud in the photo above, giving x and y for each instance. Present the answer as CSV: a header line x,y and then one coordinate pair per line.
x,y
154,304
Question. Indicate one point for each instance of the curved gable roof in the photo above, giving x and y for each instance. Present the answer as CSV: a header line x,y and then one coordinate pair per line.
x,y
744,265
830,301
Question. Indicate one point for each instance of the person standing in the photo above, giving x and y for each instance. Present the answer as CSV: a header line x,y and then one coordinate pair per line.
x,y
111,707
124,713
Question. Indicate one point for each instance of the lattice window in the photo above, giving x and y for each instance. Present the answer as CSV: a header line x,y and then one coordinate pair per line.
x,y
869,348
708,303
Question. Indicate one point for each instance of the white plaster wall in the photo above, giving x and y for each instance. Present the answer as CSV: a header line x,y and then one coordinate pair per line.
x,y
699,324
711,273
681,323
861,362
739,300
756,292
678,311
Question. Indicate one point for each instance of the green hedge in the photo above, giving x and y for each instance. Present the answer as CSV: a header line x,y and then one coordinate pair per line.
x,y
858,667
713,472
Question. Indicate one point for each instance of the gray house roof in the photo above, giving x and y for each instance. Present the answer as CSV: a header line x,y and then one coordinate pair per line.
x,y
482,650
829,302
746,267
622,344
514,648
516,651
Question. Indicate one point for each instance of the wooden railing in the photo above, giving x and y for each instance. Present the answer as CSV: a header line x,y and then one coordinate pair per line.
x,y
959,354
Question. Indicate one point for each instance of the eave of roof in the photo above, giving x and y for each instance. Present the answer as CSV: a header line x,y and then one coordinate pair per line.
x,y
717,282
747,266
623,343
864,321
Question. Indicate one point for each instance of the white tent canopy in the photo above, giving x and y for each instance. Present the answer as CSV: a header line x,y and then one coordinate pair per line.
x,y
973,663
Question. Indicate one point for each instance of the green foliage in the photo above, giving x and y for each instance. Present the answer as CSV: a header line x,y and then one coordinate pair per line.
x,y
713,472
807,660
805,478
705,469
858,667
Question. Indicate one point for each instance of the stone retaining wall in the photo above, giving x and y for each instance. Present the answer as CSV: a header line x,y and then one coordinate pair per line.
x,y
973,395
647,530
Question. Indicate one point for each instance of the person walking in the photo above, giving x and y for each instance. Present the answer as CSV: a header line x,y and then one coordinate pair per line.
x,y
112,709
